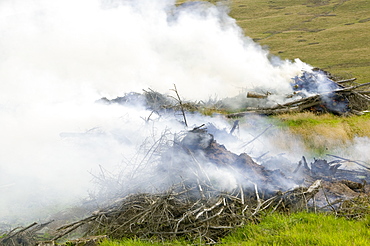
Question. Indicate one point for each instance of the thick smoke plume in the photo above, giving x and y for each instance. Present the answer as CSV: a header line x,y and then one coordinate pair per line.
x,y
110,47
58,57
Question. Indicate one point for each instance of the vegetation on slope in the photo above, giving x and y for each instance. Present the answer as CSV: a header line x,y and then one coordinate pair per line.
x,y
329,34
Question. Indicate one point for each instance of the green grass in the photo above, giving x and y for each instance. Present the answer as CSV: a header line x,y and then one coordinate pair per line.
x,y
302,229
281,229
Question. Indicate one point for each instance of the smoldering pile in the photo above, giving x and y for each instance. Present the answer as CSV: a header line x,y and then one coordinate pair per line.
x,y
316,91
209,190
199,206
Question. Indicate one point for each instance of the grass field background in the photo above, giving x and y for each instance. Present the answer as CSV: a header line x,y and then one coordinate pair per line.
x,y
329,34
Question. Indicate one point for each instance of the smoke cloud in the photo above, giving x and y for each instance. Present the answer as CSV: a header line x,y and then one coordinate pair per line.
x,y
58,57
117,46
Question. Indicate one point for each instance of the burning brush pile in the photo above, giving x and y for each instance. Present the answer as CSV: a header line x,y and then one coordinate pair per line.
x,y
204,203
209,190
316,91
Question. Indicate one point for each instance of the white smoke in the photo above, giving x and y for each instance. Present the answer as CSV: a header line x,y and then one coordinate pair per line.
x,y
58,57
66,46
354,154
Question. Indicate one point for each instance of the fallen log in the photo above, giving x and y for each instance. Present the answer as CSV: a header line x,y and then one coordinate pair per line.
x,y
256,95
290,107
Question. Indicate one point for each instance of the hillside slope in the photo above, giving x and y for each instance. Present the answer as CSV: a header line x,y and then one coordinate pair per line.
x,y
330,34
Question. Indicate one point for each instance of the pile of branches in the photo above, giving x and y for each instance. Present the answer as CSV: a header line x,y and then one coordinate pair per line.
x,y
177,213
343,97
153,100
197,208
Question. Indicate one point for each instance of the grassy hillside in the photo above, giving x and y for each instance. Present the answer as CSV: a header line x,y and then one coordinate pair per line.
x,y
330,34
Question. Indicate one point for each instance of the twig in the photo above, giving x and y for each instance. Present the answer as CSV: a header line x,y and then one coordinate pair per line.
x,y
241,194
327,200
345,81
352,87
181,105
213,216
259,203
269,202
298,166
244,209
305,163
18,232
260,157
368,168
235,126
209,209
244,145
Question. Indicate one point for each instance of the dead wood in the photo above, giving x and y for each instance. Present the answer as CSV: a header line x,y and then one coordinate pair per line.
x,y
345,81
352,87
198,209
256,137
23,236
356,162
175,214
337,98
178,99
